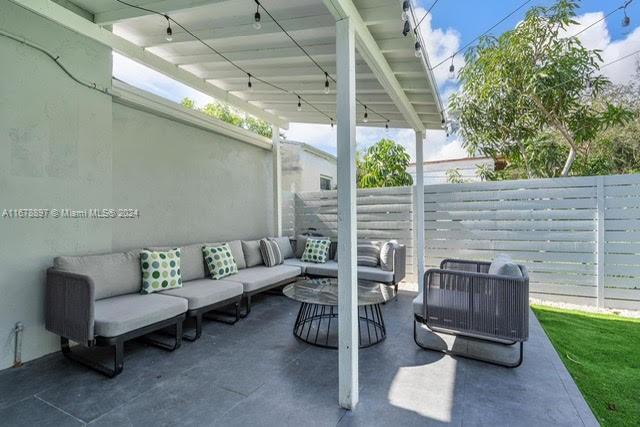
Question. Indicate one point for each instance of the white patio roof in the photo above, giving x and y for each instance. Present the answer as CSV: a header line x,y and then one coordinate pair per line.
x,y
392,82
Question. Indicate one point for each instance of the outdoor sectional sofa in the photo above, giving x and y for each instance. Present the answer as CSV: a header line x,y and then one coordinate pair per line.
x,y
95,300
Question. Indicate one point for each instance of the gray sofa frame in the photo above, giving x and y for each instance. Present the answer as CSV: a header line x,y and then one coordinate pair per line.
x,y
476,305
75,294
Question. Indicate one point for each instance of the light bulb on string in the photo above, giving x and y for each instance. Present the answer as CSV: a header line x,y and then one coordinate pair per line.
x,y
386,126
452,69
256,17
326,83
366,115
299,108
249,84
169,36
331,122
418,50
405,10
406,28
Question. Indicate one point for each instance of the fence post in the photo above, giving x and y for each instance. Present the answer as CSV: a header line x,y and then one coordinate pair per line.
x,y
600,239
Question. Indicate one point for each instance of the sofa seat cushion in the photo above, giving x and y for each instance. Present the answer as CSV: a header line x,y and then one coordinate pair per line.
x,y
125,313
330,269
204,292
295,262
256,278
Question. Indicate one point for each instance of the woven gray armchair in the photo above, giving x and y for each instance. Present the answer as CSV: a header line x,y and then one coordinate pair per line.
x,y
462,298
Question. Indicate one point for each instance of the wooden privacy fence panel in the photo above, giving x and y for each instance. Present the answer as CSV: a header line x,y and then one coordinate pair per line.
x,y
577,236
383,214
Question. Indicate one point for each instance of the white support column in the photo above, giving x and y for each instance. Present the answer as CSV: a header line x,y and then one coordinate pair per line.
x,y
419,210
347,231
277,181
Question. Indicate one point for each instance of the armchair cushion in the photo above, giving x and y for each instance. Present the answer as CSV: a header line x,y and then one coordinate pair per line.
x,y
125,313
502,265
386,255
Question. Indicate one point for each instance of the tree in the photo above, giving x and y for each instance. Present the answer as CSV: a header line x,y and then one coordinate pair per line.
x,y
454,176
229,115
530,80
384,164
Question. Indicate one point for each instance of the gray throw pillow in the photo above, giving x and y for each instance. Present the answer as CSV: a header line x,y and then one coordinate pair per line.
x,y
387,253
301,243
502,265
270,251
368,254
285,246
252,255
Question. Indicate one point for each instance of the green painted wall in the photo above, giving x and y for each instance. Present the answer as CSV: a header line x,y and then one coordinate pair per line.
x,y
65,146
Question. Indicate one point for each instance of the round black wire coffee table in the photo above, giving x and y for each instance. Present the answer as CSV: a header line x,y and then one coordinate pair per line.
x,y
317,320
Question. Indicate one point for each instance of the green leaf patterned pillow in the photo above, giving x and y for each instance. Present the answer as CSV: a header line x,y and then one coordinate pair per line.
x,y
160,270
220,261
316,250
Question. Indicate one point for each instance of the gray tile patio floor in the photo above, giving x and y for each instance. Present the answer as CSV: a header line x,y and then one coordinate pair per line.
x,y
257,373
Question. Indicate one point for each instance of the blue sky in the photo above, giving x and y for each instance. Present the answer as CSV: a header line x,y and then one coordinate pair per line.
x,y
451,25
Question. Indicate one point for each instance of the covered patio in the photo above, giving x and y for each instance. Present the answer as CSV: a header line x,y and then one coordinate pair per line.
x,y
337,62
257,373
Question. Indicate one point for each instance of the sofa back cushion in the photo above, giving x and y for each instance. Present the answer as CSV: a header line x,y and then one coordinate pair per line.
x,y
113,274
252,255
284,244
192,266
301,243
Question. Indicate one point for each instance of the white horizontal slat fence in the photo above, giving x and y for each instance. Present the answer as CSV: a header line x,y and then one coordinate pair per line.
x,y
579,237
383,214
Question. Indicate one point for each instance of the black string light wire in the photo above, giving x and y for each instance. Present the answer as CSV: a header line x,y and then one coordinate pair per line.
x,y
221,55
327,87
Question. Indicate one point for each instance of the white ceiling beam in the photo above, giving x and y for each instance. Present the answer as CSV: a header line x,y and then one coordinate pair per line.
x,y
222,33
121,12
372,54
70,20
321,53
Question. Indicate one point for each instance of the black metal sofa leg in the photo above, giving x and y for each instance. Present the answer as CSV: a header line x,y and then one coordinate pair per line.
x,y
118,362
515,364
247,307
177,341
228,319
198,332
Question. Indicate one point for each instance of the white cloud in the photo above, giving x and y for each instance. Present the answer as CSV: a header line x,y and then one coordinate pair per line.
x,y
598,37
440,45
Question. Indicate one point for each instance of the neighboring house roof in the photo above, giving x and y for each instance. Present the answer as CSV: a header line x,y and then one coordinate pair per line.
x,y
311,149
461,160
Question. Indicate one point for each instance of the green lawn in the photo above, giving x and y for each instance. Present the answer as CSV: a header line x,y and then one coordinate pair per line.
x,y
602,353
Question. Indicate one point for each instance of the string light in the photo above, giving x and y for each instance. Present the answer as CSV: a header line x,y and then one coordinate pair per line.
x,y
452,68
169,36
299,104
405,10
386,125
406,28
326,83
249,84
331,122
366,115
256,17
418,50
626,20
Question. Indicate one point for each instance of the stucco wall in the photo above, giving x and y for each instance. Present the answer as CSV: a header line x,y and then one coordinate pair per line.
x,y
189,184
65,146
55,152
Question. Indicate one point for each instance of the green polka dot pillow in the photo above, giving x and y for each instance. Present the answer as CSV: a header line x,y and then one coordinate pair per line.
x,y
160,270
316,250
220,261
